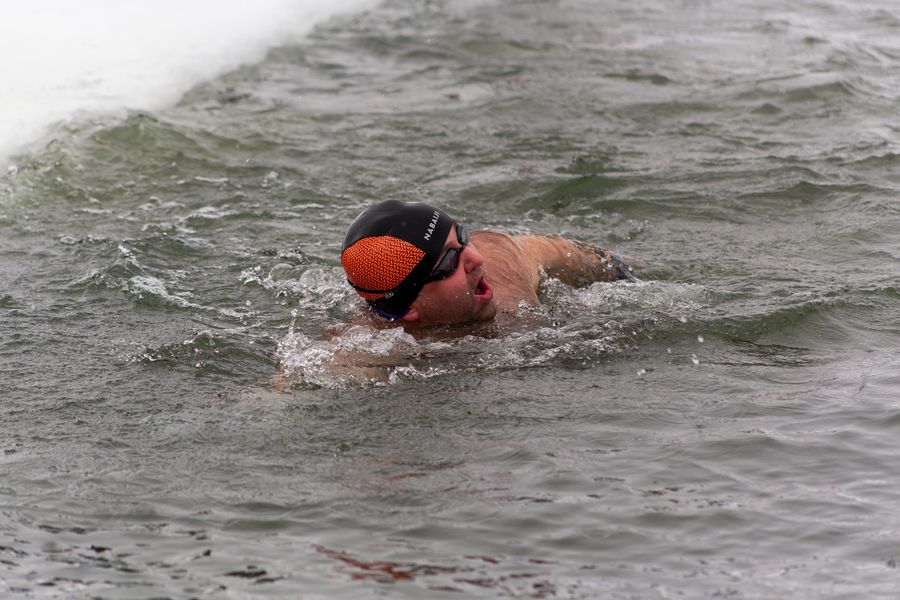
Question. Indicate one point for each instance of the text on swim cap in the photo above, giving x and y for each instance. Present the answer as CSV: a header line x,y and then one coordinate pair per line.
x,y
432,225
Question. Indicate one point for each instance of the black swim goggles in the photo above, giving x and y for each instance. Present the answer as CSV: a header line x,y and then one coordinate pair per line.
x,y
449,262
445,267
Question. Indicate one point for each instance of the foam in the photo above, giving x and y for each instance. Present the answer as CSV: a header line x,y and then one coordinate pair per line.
x,y
66,59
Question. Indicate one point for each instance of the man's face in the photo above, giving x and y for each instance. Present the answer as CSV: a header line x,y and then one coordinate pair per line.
x,y
462,297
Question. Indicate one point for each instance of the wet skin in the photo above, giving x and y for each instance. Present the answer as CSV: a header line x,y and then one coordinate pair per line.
x,y
498,272
463,297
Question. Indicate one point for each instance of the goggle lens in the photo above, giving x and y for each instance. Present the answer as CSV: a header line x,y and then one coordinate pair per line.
x,y
450,260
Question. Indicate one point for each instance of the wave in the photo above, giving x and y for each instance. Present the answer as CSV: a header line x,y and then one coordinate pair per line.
x,y
96,57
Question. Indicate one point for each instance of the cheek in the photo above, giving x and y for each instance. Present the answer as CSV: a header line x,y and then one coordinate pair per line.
x,y
452,291
460,282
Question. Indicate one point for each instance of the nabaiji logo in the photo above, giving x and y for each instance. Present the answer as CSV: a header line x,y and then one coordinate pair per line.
x,y
432,225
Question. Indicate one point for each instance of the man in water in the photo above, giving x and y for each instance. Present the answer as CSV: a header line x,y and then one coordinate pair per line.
x,y
413,263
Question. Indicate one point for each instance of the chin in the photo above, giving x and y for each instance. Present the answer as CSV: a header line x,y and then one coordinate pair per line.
x,y
487,313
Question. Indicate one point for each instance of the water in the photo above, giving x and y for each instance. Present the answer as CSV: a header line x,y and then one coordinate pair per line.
x,y
724,428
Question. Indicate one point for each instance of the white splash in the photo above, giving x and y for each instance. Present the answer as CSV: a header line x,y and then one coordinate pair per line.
x,y
359,355
141,285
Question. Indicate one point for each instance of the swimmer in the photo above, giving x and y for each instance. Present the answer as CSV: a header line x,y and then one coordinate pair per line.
x,y
414,264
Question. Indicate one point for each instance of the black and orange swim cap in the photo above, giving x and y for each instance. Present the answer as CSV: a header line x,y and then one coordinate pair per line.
x,y
393,245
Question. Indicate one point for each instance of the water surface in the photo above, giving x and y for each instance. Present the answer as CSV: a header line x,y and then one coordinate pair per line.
x,y
725,428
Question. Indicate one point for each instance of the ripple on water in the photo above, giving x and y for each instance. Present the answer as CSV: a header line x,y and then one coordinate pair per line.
x,y
231,352
750,150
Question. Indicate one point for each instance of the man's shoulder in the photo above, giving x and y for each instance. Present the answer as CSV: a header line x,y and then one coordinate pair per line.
x,y
489,241
507,249
509,266
492,236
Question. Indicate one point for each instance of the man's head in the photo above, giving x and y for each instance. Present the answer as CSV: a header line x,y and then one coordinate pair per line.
x,y
412,261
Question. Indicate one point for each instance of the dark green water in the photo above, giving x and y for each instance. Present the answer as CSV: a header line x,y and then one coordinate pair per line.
x,y
726,428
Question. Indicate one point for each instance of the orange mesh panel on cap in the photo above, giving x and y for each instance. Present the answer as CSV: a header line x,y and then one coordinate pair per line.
x,y
380,263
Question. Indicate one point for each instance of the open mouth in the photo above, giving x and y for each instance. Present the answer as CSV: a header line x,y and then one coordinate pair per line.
x,y
483,290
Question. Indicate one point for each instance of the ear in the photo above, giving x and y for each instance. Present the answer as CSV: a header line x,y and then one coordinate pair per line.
x,y
412,316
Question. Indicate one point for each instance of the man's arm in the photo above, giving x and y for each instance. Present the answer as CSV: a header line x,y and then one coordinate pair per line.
x,y
574,263
514,264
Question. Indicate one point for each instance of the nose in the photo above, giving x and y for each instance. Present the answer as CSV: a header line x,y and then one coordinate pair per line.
x,y
471,258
